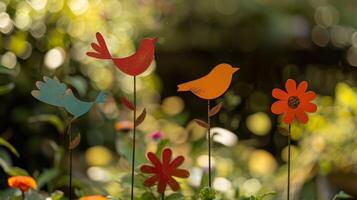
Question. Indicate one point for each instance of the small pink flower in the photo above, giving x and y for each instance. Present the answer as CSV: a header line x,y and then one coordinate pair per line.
x,y
156,135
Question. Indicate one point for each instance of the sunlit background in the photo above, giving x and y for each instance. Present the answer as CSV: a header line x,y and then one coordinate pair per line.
x,y
271,41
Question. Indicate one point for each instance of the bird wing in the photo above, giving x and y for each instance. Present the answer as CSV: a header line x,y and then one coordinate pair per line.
x,y
50,91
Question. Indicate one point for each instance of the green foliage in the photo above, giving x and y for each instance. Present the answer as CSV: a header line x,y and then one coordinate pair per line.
x,y
342,195
6,144
207,193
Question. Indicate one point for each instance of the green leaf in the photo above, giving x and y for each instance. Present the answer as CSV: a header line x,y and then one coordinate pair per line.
x,y
57,195
342,195
52,119
47,176
175,196
16,171
4,89
34,195
6,144
161,146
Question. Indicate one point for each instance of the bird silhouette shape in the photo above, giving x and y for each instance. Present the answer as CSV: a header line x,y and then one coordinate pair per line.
x,y
213,85
55,93
132,65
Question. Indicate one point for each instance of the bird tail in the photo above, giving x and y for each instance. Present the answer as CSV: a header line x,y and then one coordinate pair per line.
x,y
101,97
101,49
183,87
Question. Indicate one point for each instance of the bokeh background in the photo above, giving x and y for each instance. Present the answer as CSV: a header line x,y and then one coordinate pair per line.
x,y
271,41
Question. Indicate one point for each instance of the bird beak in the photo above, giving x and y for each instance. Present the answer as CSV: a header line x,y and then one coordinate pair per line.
x,y
235,69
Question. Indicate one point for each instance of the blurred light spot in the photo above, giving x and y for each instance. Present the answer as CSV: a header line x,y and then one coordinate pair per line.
x,y
318,143
5,23
98,156
354,39
54,58
226,7
38,4
352,56
2,6
172,105
222,184
223,136
102,77
261,163
78,6
38,29
320,36
22,16
196,132
195,176
259,123
341,36
124,125
202,161
326,16
251,186
98,174
8,60
293,153
175,133
55,6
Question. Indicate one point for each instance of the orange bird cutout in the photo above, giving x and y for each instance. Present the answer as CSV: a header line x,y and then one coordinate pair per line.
x,y
132,65
213,85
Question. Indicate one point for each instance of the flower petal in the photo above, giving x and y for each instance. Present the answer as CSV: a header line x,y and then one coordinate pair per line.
x,y
309,96
151,181
279,107
302,87
308,107
290,86
181,173
302,116
148,169
152,157
173,184
166,157
177,162
279,94
162,186
289,116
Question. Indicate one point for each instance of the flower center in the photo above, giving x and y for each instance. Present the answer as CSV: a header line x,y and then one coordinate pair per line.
x,y
293,102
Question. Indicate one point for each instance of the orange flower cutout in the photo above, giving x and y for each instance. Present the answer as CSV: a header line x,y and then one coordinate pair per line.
x,y
23,183
294,103
213,85
94,197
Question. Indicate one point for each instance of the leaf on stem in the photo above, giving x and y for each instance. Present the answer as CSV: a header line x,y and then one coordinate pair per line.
x,y
215,110
75,142
141,118
127,103
201,123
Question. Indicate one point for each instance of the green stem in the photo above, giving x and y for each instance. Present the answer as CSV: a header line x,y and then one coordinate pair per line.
x,y
163,196
209,144
69,132
289,144
23,195
134,135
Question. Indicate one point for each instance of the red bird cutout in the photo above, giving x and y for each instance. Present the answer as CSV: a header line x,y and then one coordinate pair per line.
x,y
132,65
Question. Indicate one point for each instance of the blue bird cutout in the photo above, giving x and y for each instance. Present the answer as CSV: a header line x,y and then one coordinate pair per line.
x,y
55,93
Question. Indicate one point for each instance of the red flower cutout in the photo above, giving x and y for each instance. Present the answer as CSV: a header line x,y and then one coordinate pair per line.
x,y
294,103
164,171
